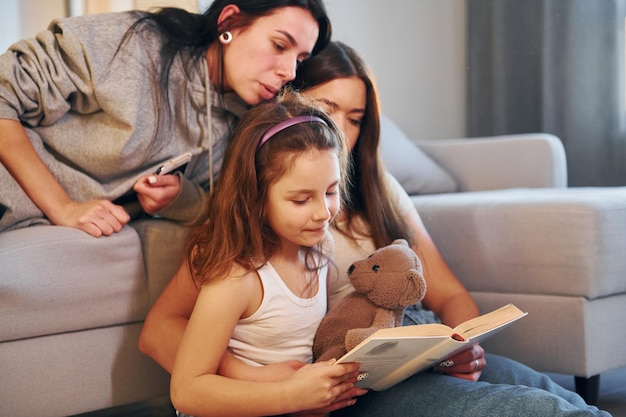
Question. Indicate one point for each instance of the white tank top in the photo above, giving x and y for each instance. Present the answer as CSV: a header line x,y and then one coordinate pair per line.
x,y
283,327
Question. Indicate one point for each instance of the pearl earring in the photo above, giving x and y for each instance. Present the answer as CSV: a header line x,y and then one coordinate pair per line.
x,y
226,37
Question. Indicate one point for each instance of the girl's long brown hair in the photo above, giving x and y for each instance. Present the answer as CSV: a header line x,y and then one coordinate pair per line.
x,y
235,230
368,191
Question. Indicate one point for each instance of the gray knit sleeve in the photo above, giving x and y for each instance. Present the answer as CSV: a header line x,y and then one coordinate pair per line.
x,y
43,78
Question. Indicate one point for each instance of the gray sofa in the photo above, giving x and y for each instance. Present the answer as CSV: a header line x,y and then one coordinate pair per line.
x,y
71,309
513,232
71,306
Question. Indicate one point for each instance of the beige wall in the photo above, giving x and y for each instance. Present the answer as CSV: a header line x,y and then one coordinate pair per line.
x,y
36,14
102,6
416,49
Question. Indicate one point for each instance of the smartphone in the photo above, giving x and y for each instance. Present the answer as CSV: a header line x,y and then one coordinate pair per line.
x,y
174,165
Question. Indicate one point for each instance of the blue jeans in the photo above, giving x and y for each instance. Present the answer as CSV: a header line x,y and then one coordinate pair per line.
x,y
506,388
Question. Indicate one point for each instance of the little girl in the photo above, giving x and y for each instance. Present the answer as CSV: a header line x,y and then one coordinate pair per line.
x,y
262,266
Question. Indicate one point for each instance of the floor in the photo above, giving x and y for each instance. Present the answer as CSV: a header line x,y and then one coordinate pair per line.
x,y
158,407
612,390
612,399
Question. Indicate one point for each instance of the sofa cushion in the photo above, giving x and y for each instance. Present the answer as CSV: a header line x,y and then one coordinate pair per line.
x,y
58,279
163,242
562,242
414,169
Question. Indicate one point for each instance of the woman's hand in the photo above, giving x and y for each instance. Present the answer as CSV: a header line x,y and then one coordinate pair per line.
x,y
467,364
19,158
155,192
96,217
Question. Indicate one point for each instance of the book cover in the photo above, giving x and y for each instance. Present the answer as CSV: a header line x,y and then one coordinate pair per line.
x,y
391,355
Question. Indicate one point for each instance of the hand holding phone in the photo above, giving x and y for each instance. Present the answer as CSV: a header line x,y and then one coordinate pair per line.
x,y
174,164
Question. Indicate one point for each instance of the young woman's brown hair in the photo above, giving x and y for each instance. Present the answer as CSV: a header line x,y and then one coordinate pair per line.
x,y
367,176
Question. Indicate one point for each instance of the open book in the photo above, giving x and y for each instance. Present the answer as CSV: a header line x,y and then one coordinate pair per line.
x,y
389,356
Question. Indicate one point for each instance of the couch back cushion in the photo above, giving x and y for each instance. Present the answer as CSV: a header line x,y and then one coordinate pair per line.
x,y
414,170
59,279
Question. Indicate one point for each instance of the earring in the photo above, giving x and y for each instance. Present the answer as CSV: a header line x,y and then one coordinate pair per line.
x,y
226,37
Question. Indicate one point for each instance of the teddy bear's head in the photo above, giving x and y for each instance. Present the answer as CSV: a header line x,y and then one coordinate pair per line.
x,y
391,277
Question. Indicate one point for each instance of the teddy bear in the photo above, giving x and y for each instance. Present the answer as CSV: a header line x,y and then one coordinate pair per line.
x,y
385,283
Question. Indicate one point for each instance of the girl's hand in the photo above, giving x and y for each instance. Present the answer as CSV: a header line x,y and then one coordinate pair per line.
x,y
322,385
95,217
155,192
467,364
346,399
281,371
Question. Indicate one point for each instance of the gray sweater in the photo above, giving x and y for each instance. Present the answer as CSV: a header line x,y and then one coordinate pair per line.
x,y
92,115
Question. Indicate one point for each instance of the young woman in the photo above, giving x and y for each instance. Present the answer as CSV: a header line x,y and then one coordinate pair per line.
x,y
95,104
262,267
483,384
339,78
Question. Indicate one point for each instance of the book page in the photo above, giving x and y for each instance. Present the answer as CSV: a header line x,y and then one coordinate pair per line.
x,y
429,329
489,322
380,357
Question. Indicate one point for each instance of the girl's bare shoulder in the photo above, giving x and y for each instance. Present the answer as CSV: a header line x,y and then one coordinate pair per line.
x,y
237,277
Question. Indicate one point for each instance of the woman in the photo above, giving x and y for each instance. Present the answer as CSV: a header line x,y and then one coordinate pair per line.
x,y
338,78
94,105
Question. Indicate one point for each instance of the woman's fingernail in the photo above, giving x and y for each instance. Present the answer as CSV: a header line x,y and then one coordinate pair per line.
x,y
152,179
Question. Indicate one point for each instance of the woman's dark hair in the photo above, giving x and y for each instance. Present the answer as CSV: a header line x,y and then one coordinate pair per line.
x,y
193,33
189,35
367,185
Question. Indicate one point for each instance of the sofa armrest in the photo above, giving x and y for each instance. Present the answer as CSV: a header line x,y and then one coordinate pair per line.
x,y
555,253
551,242
532,160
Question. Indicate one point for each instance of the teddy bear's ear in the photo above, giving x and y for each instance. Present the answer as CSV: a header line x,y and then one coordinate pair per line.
x,y
416,288
400,242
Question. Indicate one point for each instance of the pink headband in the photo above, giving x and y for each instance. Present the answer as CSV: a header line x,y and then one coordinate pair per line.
x,y
288,123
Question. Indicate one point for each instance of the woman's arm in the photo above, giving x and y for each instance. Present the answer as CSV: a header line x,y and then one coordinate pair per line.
x,y
445,295
448,298
43,80
96,217
165,325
